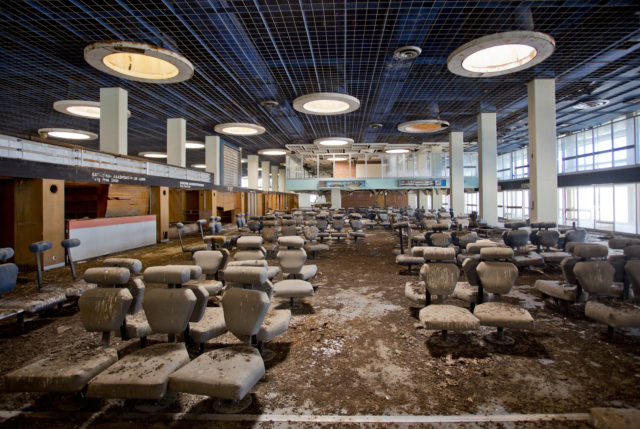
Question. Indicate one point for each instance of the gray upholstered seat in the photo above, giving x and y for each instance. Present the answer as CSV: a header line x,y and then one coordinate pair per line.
x,y
68,371
231,372
498,278
144,374
133,265
211,325
276,322
292,289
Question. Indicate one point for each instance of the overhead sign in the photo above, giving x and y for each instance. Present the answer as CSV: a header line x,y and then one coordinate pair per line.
x,y
421,183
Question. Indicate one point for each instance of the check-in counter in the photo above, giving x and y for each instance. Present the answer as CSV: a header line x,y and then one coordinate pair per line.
x,y
105,236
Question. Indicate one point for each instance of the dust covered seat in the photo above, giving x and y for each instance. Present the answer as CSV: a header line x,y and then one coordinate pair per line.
x,y
292,259
210,262
292,289
498,277
69,371
231,372
144,374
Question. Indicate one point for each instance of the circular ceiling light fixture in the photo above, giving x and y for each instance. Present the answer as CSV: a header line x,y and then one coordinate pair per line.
x,y
67,134
272,152
269,103
198,165
407,53
591,104
158,155
423,126
190,144
326,103
81,108
140,62
501,53
333,141
239,129
397,150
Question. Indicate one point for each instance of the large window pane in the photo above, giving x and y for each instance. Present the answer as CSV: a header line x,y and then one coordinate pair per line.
x,y
571,205
625,208
585,207
604,207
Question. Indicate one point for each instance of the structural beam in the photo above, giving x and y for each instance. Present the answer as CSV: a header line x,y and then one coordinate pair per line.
x,y
543,176
487,155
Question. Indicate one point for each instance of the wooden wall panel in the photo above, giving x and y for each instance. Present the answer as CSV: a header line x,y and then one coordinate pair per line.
x,y
227,200
176,205
28,219
358,198
127,200
160,208
341,169
53,226
7,215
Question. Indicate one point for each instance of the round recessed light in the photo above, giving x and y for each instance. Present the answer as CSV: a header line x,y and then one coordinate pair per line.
x,y
81,108
67,134
138,61
269,103
397,150
407,53
239,129
199,165
326,103
158,155
190,144
501,53
333,141
591,104
272,152
423,126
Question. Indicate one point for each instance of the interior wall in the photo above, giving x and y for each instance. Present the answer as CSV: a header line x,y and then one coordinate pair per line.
x,y
373,170
176,205
7,215
358,198
341,169
127,200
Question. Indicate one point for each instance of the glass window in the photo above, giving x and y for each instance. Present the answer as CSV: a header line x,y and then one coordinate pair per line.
x,y
569,153
585,207
602,147
604,207
625,208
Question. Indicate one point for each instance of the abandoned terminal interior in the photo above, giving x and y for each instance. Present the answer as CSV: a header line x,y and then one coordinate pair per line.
x,y
308,213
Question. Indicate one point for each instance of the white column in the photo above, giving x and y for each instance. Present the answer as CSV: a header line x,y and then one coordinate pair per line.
x,y
436,161
113,120
422,166
336,199
265,175
176,139
252,171
423,199
275,185
543,179
436,199
456,172
412,198
282,176
212,154
487,154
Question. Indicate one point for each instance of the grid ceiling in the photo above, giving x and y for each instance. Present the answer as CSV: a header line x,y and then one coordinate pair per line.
x,y
245,52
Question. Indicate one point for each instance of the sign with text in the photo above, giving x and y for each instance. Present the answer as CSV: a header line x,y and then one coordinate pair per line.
x,y
421,183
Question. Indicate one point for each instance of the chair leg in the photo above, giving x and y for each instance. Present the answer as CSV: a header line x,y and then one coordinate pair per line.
x,y
610,332
38,265
70,259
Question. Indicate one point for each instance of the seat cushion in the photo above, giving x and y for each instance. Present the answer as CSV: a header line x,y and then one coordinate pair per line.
x,y
67,371
272,272
467,292
307,272
143,374
34,302
448,317
409,260
40,246
531,258
293,289
214,287
210,326
133,265
503,315
276,322
554,257
616,315
556,289
137,326
415,292
317,247
227,373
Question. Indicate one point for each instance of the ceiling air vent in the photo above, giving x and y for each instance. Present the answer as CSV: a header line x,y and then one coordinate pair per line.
x,y
406,53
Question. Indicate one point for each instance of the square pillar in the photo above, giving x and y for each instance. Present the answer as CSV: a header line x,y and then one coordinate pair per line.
x,y
543,176
282,176
113,120
176,139
265,175
436,199
252,171
487,163
336,199
212,155
275,185
456,172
